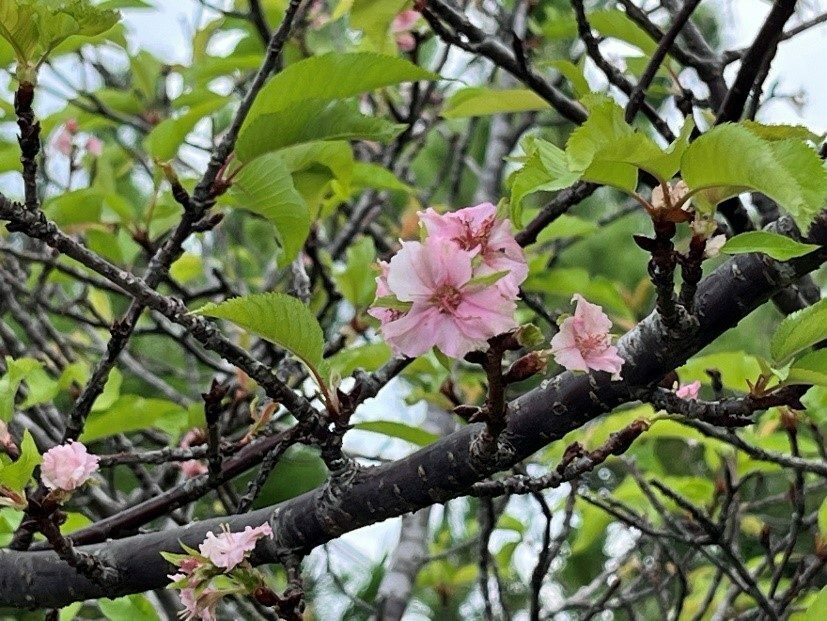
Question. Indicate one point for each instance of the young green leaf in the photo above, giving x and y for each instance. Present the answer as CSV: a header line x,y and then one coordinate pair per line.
x,y
279,318
809,369
394,429
34,28
333,76
798,331
779,247
17,474
16,372
166,138
729,159
265,186
313,120
356,281
481,101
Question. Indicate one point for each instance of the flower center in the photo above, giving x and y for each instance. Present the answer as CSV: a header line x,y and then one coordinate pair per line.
x,y
470,239
590,342
446,298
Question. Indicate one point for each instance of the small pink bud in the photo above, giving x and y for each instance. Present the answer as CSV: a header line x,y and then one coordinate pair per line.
x,y
71,126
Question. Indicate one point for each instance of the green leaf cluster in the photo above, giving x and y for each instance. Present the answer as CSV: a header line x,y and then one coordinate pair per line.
x,y
723,162
33,28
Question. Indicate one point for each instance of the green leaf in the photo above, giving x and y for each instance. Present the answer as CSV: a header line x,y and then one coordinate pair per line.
x,y
312,121
818,609
809,369
573,74
779,247
129,608
481,101
780,132
34,28
333,76
729,159
822,518
369,357
16,372
544,170
604,125
17,474
567,226
395,429
265,186
279,318
167,137
798,331
81,206
374,18
368,175
356,282
129,413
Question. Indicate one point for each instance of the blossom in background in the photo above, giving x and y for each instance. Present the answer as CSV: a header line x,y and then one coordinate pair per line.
x,y
94,146
477,228
688,391
192,467
228,549
63,140
584,342
402,27
67,466
448,310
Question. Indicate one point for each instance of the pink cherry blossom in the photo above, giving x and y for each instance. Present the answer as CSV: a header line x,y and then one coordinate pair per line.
x,y
94,146
583,341
228,549
447,311
478,228
202,607
67,466
401,27
384,315
63,141
688,391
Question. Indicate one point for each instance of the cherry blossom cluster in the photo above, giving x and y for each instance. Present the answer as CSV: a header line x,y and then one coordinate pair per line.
x,y
223,555
455,289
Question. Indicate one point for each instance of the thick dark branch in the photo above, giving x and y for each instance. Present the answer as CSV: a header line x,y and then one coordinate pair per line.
x,y
765,43
438,472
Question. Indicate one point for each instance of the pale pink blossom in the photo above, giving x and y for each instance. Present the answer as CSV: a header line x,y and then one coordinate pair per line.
x,y
63,141
67,466
94,146
401,26
477,228
193,468
447,311
584,342
384,315
228,549
688,391
202,607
